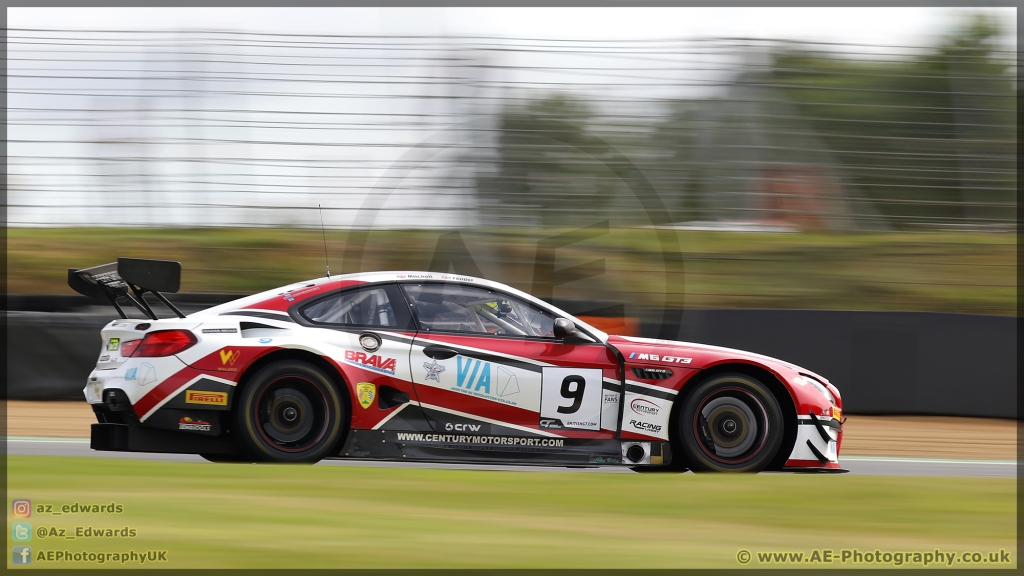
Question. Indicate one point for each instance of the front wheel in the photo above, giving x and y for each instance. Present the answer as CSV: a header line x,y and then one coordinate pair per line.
x,y
289,411
730,423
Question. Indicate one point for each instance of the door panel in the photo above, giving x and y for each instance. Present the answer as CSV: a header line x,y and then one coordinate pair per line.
x,y
482,354
509,381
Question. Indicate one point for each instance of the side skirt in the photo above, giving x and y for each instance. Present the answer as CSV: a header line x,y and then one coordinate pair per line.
x,y
466,448
125,438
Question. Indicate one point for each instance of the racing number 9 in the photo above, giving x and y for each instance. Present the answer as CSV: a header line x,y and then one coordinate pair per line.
x,y
571,397
576,394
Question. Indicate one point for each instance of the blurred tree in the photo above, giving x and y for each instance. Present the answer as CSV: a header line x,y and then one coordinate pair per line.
x,y
929,138
672,162
908,140
550,168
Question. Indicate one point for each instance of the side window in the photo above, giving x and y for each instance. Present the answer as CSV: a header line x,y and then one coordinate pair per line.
x,y
455,308
378,306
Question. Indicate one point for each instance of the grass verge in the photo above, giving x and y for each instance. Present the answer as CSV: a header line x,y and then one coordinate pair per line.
x,y
246,516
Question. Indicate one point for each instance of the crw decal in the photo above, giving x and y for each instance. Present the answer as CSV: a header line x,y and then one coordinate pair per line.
x,y
229,357
470,372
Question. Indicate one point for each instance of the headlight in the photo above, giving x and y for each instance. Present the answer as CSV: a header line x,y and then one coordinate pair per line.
x,y
820,388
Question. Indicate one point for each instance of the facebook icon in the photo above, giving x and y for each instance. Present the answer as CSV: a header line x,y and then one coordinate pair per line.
x,y
22,555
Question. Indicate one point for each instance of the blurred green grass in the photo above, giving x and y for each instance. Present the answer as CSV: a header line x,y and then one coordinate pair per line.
x,y
963,272
249,516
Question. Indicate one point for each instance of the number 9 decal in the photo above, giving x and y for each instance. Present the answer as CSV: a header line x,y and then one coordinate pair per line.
x,y
571,398
576,395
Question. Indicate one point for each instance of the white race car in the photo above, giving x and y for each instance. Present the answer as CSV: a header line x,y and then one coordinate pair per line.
x,y
429,366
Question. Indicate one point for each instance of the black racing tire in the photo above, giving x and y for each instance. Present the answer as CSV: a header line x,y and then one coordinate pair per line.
x,y
289,411
730,423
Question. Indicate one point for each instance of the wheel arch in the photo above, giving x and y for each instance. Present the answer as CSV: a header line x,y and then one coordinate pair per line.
x,y
316,360
777,388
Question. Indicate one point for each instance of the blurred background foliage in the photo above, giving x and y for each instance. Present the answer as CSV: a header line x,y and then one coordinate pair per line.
x,y
711,173
942,272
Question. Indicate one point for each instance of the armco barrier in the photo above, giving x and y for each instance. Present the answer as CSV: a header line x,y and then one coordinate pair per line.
x,y
882,362
53,342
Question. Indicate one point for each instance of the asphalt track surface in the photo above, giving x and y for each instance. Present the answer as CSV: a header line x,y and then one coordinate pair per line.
x,y
862,465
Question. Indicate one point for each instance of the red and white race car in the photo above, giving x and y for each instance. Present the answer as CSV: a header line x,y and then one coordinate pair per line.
x,y
439,367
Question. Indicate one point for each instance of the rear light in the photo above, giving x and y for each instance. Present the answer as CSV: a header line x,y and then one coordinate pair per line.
x,y
128,348
165,343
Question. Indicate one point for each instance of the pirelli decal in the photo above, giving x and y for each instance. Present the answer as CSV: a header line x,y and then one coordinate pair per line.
x,y
208,398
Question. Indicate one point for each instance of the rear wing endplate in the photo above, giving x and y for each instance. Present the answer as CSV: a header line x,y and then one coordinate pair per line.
x,y
127,280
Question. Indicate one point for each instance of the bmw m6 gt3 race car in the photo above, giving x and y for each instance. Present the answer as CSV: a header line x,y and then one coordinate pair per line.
x,y
437,367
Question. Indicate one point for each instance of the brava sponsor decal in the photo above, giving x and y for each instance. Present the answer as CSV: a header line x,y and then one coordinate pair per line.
x,y
371,362
644,407
645,426
203,397
657,358
187,423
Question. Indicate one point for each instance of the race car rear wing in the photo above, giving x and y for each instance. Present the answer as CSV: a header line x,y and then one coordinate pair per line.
x,y
128,280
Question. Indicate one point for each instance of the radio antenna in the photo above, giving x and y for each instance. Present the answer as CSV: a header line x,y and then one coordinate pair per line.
x,y
324,230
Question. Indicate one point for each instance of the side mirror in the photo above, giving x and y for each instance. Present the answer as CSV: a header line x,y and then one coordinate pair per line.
x,y
565,328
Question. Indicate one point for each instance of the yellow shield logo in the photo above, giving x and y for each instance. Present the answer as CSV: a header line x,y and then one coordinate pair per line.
x,y
365,392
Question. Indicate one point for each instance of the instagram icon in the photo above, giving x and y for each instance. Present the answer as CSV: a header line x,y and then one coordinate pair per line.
x,y
21,508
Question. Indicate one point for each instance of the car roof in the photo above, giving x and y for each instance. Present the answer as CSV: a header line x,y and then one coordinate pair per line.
x,y
328,284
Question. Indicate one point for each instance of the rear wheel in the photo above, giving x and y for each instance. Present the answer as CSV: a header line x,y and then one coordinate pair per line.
x,y
730,423
290,411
